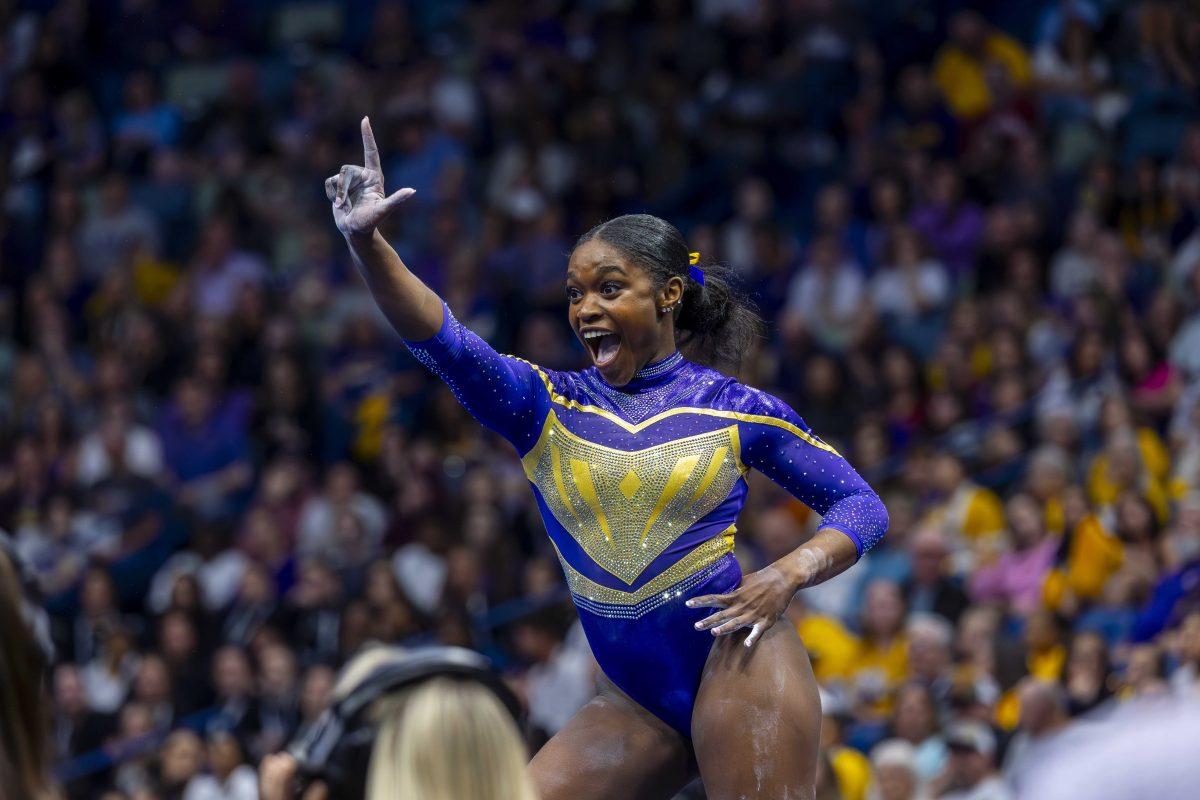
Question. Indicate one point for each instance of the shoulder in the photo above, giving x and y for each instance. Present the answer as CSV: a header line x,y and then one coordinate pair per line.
x,y
558,384
737,396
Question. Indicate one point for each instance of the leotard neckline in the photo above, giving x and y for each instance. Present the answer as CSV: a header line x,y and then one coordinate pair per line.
x,y
648,377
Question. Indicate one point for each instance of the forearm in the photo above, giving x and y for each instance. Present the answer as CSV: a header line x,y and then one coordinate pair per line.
x,y
828,553
412,308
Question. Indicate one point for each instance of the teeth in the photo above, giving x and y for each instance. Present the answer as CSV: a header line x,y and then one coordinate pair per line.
x,y
594,334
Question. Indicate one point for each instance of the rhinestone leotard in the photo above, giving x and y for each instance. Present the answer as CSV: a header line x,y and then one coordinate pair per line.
x,y
639,488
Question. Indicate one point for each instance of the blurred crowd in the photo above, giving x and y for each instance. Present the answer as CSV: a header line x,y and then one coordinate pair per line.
x,y
973,229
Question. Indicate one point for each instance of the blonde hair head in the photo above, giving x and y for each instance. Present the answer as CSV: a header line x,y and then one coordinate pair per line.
x,y
447,739
441,739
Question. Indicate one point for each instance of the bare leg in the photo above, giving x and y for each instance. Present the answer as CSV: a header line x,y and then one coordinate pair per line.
x,y
612,748
756,726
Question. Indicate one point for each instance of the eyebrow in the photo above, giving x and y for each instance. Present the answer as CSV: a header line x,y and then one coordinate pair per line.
x,y
600,272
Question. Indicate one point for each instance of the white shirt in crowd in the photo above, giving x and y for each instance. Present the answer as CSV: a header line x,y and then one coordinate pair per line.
x,y
219,579
318,521
562,685
242,784
993,788
421,573
143,456
899,293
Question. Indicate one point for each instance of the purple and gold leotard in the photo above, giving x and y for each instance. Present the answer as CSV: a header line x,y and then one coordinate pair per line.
x,y
639,488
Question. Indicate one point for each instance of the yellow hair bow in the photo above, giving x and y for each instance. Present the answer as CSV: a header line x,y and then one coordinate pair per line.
x,y
693,270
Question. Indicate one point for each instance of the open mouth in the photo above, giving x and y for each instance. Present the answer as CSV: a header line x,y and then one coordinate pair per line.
x,y
603,346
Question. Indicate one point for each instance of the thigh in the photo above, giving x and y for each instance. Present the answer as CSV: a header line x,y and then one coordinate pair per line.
x,y
756,726
612,748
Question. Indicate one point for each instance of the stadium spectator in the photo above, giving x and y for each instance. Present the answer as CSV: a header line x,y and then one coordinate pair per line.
x,y
970,770
894,764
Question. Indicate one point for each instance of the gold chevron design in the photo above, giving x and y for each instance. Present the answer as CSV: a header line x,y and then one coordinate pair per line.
x,y
635,427
586,486
700,557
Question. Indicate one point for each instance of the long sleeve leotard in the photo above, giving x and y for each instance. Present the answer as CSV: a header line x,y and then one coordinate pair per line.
x,y
640,488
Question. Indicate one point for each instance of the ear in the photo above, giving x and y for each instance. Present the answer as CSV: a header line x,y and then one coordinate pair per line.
x,y
671,291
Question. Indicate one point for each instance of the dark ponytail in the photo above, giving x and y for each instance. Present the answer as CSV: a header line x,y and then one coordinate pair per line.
x,y
715,323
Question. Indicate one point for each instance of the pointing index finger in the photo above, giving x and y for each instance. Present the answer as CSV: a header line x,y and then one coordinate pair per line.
x,y
370,149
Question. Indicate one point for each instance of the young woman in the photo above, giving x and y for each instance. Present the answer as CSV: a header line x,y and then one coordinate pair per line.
x,y
638,466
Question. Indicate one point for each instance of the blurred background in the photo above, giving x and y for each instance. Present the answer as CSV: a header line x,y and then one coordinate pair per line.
x,y
973,228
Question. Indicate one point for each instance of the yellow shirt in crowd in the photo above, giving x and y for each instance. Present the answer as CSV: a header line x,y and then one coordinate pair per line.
x,y
851,771
1103,491
972,511
960,75
830,646
1092,557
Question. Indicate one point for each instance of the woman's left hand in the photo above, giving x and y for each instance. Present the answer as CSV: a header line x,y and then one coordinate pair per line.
x,y
757,603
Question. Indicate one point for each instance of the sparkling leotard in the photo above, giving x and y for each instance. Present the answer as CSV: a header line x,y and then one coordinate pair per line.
x,y
639,488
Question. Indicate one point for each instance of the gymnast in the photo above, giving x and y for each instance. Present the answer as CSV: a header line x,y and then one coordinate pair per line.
x,y
638,466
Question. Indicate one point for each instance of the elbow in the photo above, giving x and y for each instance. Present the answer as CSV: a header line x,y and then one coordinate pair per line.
x,y
862,516
875,520
885,520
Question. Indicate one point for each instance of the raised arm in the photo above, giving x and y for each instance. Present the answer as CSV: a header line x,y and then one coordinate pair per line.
x,y
359,206
500,391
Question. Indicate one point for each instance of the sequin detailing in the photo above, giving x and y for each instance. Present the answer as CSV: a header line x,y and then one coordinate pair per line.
x,y
661,586
636,427
584,484
659,367
861,517
639,610
634,405
626,489
591,496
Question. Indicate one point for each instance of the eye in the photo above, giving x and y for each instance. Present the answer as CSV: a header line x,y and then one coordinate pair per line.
x,y
573,294
610,287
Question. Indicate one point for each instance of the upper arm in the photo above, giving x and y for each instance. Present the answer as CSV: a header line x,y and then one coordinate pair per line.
x,y
498,390
778,443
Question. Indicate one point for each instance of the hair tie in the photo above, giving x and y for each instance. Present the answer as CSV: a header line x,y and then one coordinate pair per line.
x,y
693,270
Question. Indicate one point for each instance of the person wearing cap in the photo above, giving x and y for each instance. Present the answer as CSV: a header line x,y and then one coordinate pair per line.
x,y
971,771
895,764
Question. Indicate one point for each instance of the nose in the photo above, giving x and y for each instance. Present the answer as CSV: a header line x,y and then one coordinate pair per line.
x,y
589,309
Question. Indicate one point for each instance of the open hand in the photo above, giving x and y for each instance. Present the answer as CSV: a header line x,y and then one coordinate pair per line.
x,y
359,202
757,603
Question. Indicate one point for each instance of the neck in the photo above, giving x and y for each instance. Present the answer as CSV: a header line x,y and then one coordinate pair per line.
x,y
655,361
665,349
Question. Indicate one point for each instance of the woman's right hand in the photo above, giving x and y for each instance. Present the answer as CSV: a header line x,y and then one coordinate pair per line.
x,y
277,780
359,201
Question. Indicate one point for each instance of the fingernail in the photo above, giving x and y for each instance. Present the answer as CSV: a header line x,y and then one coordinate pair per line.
x,y
690,604
749,643
699,626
